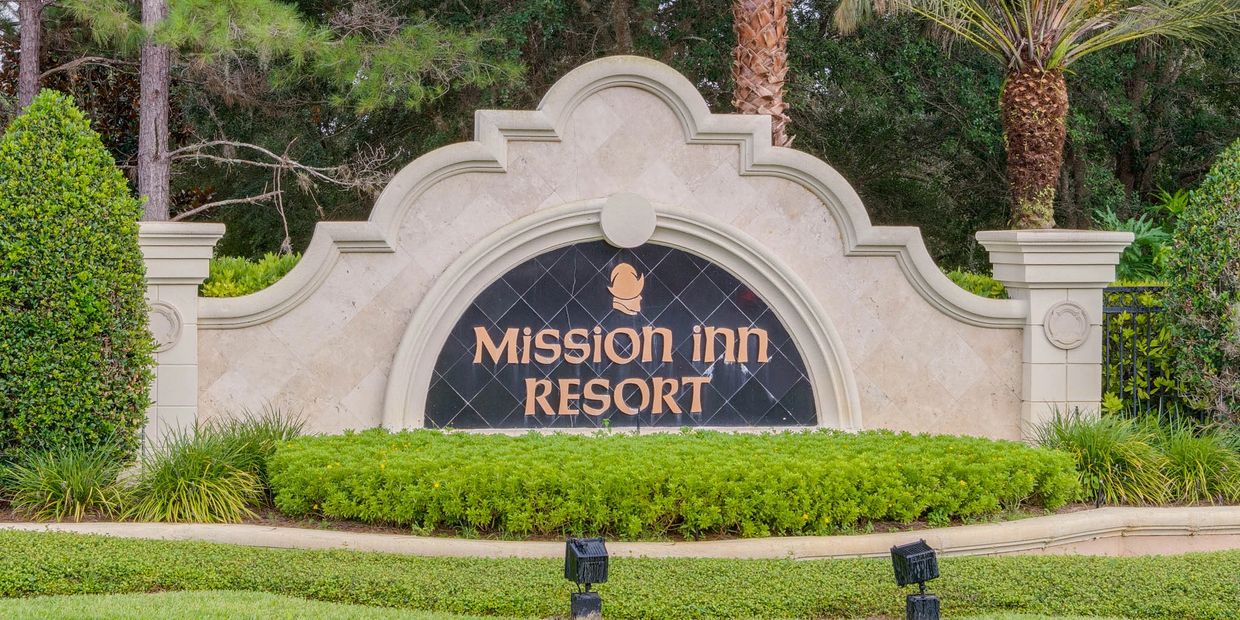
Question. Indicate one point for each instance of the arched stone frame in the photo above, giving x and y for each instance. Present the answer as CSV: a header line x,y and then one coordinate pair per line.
x,y
489,151
835,391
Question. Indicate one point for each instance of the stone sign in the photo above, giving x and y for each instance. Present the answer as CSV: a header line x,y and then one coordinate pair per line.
x,y
623,256
591,334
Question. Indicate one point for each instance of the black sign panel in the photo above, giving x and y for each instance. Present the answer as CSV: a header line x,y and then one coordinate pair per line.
x,y
591,335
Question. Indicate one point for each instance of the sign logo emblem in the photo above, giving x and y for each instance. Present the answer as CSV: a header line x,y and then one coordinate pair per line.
x,y
626,289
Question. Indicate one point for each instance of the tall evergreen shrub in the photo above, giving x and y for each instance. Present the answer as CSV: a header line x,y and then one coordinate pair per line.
x,y
1203,298
75,353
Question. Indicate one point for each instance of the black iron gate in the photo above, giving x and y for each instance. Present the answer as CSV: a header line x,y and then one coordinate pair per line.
x,y
1137,377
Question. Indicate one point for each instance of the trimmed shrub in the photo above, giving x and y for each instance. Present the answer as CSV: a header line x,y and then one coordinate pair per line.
x,y
1197,586
75,353
1116,458
1204,294
691,484
233,276
978,283
65,482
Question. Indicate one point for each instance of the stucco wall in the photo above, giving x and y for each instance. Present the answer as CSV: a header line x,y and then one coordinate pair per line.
x,y
916,367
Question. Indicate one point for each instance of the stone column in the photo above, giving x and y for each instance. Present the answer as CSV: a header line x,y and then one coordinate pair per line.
x,y
177,255
1060,274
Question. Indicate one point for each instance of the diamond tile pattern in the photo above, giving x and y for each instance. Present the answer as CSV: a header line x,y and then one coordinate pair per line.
x,y
567,288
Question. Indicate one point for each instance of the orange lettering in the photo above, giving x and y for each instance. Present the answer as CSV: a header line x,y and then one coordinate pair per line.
x,y
623,405
602,397
537,390
567,393
507,345
666,396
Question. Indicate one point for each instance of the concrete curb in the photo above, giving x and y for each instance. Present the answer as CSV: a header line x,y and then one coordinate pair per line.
x,y
1104,531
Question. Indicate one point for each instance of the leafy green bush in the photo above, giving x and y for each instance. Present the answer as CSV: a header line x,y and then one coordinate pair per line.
x,y
75,353
236,276
197,478
692,484
978,283
1146,257
1204,294
1116,457
1199,586
65,482
1201,464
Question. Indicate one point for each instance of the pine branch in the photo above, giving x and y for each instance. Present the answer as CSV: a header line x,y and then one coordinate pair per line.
x,y
86,60
231,201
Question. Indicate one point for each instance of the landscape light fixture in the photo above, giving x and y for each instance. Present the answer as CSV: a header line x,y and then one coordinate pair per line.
x,y
916,563
585,563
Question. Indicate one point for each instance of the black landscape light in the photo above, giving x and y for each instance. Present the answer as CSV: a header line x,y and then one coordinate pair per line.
x,y
585,563
916,563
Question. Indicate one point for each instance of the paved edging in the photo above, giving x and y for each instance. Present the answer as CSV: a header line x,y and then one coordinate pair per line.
x,y
1104,531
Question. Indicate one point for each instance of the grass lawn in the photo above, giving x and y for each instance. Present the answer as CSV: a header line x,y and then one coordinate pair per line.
x,y
1200,586
208,605
228,605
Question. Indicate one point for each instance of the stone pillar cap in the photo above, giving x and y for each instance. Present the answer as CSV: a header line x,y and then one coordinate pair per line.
x,y
1054,258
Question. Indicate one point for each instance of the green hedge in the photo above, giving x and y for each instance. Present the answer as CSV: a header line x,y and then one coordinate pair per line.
x,y
1203,297
234,276
75,353
1188,587
689,484
978,283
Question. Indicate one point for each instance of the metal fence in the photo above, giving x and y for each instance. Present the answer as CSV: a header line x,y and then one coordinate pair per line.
x,y
1137,376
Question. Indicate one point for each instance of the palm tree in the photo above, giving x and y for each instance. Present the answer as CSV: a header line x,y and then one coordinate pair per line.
x,y
1037,40
760,62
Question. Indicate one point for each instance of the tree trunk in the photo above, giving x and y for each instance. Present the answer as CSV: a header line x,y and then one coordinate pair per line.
x,y
1034,105
30,20
620,26
760,62
154,166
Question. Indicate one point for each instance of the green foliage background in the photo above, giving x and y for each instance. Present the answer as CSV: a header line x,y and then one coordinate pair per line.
x,y
74,347
1204,294
914,127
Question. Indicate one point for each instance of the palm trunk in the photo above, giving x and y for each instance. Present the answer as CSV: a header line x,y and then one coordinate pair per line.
x,y
760,62
154,167
1035,111
30,19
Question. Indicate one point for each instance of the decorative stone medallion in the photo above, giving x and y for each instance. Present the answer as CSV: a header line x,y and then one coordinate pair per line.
x,y
592,335
165,324
1066,325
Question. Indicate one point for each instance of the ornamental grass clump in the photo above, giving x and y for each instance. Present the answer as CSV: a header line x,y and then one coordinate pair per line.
x,y
690,484
67,482
1117,459
252,437
1201,464
195,478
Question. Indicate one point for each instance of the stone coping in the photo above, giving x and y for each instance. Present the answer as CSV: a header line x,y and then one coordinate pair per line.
x,y
1103,531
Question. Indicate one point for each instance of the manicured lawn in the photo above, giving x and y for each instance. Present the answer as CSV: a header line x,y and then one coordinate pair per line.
x,y
209,605
1187,587
227,605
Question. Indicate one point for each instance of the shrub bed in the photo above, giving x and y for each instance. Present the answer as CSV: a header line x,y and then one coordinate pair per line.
x,y
691,484
1199,586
